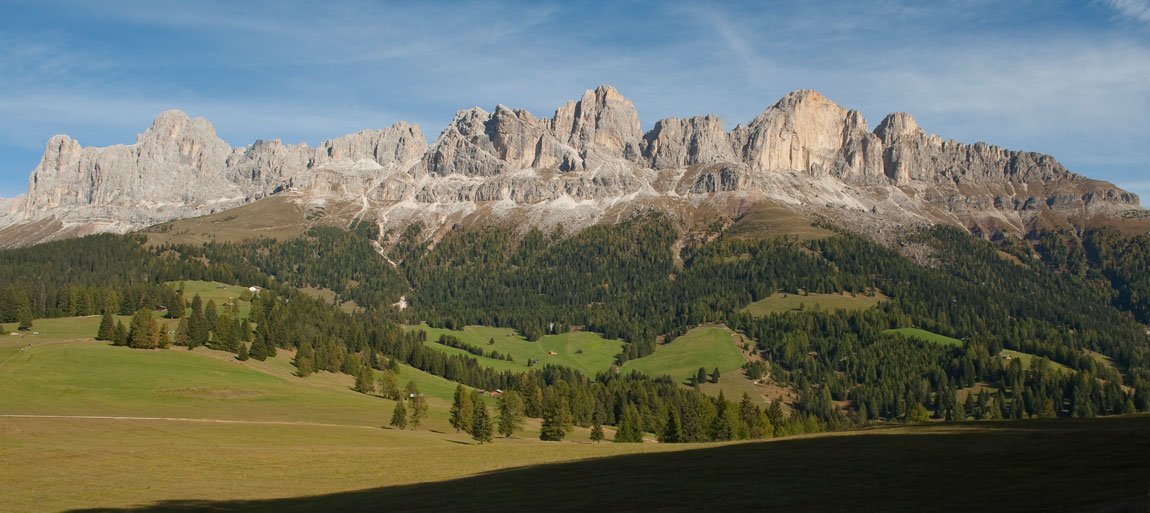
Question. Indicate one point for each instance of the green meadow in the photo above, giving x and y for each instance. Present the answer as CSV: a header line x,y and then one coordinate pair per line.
x,y
782,302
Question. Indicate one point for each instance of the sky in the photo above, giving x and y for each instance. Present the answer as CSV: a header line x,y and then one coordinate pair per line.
x,y
1068,78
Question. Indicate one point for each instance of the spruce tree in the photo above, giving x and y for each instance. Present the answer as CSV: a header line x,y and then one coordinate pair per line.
x,y
388,387
553,428
242,354
364,381
419,405
182,332
715,375
481,426
120,334
596,431
24,316
673,431
510,412
211,314
630,430
462,410
399,416
176,310
701,376
107,324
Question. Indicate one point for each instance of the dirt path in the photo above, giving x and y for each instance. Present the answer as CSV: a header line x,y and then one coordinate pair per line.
x,y
184,419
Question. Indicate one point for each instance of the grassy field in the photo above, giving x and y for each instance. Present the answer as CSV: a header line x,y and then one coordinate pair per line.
x,y
1039,466
706,346
781,302
1026,358
926,336
588,352
221,293
178,430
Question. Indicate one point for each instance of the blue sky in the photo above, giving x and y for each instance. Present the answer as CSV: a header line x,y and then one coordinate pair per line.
x,y
1069,78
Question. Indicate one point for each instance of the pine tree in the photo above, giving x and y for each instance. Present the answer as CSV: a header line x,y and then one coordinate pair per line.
x,y
418,404
554,428
597,432
388,387
364,381
715,375
197,325
141,330
120,334
481,426
462,410
107,324
399,416
242,354
510,412
701,376
182,332
176,310
211,314
630,430
24,316
165,340
673,431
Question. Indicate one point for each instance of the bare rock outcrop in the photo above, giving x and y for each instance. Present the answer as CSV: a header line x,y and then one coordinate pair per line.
x,y
588,163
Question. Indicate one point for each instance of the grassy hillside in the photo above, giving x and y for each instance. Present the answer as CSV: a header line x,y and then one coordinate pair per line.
x,y
1056,465
588,352
275,217
926,336
706,346
781,302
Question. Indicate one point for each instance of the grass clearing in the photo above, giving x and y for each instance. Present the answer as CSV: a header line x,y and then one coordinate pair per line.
x,y
1027,358
782,302
925,336
221,293
705,346
585,351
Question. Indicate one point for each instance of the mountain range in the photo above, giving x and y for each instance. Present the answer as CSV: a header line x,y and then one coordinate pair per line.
x,y
590,162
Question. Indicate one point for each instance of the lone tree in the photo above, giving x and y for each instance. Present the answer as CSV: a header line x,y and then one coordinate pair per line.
x,y
597,427
418,405
481,428
462,410
399,417
701,376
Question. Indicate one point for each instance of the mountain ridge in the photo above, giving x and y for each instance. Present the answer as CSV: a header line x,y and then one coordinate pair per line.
x,y
590,162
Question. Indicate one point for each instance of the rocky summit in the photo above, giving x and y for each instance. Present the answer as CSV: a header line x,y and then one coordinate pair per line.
x,y
590,162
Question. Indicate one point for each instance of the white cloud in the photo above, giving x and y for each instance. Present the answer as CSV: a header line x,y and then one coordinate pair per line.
x,y
1135,10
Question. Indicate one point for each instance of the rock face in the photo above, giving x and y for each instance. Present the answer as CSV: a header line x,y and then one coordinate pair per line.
x,y
588,162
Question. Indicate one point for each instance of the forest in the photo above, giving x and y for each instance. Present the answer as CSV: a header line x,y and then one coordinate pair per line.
x,y
1062,297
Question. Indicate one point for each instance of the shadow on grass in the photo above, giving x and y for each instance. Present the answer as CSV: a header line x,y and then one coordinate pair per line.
x,y
1048,466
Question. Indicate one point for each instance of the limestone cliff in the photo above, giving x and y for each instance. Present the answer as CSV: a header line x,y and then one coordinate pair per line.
x,y
590,162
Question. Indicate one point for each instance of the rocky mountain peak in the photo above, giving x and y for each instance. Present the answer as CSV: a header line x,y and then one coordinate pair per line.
x,y
602,118
588,163
896,126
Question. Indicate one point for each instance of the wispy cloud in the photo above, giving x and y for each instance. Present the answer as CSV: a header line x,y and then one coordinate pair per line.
x,y
1020,74
1134,10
